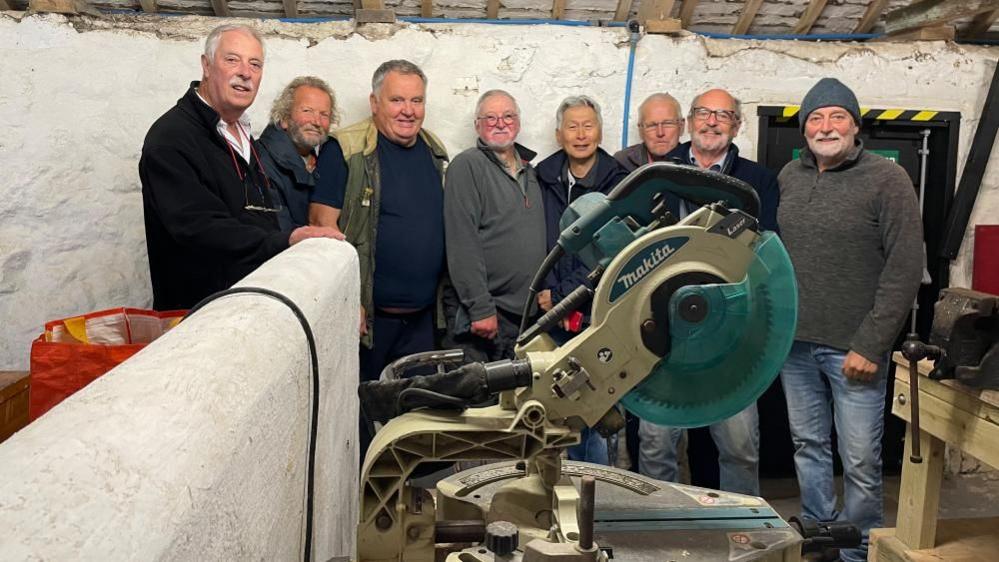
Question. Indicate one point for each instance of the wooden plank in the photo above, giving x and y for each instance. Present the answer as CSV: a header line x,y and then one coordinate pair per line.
x,y
492,9
654,10
290,8
933,33
383,15
372,5
558,9
746,18
687,12
808,17
53,6
919,493
4,5
427,8
958,427
983,403
148,6
957,539
871,16
221,8
980,24
623,10
929,13
665,27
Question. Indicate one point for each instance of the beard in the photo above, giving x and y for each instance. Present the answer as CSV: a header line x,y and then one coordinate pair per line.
x,y
828,149
710,140
307,136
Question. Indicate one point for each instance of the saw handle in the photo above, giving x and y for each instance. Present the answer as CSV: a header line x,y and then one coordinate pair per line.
x,y
577,298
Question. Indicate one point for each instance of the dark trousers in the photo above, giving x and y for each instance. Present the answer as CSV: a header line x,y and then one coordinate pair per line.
x,y
480,349
395,336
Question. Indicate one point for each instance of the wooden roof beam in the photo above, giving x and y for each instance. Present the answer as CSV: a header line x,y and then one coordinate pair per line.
x,y
982,23
4,5
687,12
427,8
871,16
221,8
492,9
932,13
809,16
623,10
558,9
746,18
655,10
290,8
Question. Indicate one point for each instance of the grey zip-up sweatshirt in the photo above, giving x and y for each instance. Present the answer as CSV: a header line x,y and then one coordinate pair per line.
x,y
856,241
494,227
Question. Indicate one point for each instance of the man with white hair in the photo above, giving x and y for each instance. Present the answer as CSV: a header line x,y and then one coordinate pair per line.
x,y
660,126
300,122
209,213
494,226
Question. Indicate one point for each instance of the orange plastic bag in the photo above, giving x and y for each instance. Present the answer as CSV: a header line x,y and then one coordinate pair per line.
x,y
73,352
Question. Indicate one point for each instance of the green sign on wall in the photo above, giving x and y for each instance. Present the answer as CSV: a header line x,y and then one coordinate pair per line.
x,y
889,154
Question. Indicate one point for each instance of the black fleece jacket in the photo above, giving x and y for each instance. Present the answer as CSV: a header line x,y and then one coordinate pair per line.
x,y
199,236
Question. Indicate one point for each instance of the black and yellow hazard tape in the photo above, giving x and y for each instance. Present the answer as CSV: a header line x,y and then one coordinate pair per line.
x,y
789,112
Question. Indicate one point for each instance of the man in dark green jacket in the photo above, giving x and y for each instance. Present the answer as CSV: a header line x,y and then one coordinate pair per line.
x,y
391,208
495,231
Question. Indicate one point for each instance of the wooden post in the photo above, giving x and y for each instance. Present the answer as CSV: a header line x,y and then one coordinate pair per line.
x,y
558,9
919,493
687,12
427,8
746,18
492,9
623,10
808,17
290,8
871,16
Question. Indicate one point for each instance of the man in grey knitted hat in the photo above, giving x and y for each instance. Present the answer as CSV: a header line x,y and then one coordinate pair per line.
x,y
850,221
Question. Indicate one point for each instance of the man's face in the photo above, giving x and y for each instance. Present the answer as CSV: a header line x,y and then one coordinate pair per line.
x,y
580,133
398,107
497,122
713,123
660,126
232,78
309,121
830,133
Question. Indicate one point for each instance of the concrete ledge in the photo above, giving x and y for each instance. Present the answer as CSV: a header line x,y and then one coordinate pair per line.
x,y
195,449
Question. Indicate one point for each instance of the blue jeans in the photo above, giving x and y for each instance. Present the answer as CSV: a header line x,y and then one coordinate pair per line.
x,y
591,448
738,442
819,395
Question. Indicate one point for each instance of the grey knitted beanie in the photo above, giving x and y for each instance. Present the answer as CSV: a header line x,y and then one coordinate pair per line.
x,y
828,92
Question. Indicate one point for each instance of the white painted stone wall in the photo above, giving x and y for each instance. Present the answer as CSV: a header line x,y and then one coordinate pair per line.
x,y
76,98
196,448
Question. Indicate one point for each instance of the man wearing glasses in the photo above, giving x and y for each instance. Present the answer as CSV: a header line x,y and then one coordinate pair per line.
x,y
714,120
210,218
494,225
660,126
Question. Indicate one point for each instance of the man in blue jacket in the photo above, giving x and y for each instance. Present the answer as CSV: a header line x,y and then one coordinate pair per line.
x,y
714,120
579,167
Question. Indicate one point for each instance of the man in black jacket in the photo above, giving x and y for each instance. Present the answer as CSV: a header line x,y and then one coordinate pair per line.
x,y
714,120
300,122
210,218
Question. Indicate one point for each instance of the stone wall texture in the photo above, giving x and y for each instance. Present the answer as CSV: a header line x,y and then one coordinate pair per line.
x,y
196,448
77,96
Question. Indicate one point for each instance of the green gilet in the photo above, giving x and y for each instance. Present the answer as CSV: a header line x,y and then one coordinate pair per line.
x,y
359,217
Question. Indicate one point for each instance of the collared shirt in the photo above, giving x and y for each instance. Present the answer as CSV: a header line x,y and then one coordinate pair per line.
x,y
241,147
717,166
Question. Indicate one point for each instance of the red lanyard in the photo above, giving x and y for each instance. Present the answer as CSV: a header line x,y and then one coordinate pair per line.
x,y
253,151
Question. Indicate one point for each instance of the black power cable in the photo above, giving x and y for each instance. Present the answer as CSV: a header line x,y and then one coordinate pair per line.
x,y
314,425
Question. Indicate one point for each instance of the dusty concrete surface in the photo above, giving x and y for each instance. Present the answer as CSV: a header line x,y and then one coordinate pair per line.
x,y
196,448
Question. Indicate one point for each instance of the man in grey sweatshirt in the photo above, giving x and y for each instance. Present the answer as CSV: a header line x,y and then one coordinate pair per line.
x,y
850,221
494,230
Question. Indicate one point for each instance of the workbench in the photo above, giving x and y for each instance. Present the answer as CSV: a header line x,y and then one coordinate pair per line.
x,y
13,402
949,413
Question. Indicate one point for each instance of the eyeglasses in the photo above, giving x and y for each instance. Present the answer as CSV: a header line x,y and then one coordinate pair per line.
x,y
665,124
492,120
721,115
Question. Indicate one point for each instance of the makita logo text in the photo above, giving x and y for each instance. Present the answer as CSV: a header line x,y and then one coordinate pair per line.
x,y
649,263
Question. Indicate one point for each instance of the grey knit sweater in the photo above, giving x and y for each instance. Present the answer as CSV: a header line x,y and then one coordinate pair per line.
x,y
855,239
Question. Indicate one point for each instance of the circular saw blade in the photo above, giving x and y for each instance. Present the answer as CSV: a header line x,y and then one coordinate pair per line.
x,y
720,363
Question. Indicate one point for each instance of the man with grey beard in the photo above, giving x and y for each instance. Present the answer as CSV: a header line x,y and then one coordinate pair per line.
x,y
494,226
300,121
850,221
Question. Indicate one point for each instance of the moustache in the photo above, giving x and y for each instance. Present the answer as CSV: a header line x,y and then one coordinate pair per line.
x,y
237,81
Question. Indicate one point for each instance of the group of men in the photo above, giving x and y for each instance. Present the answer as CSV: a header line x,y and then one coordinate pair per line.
x,y
448,250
